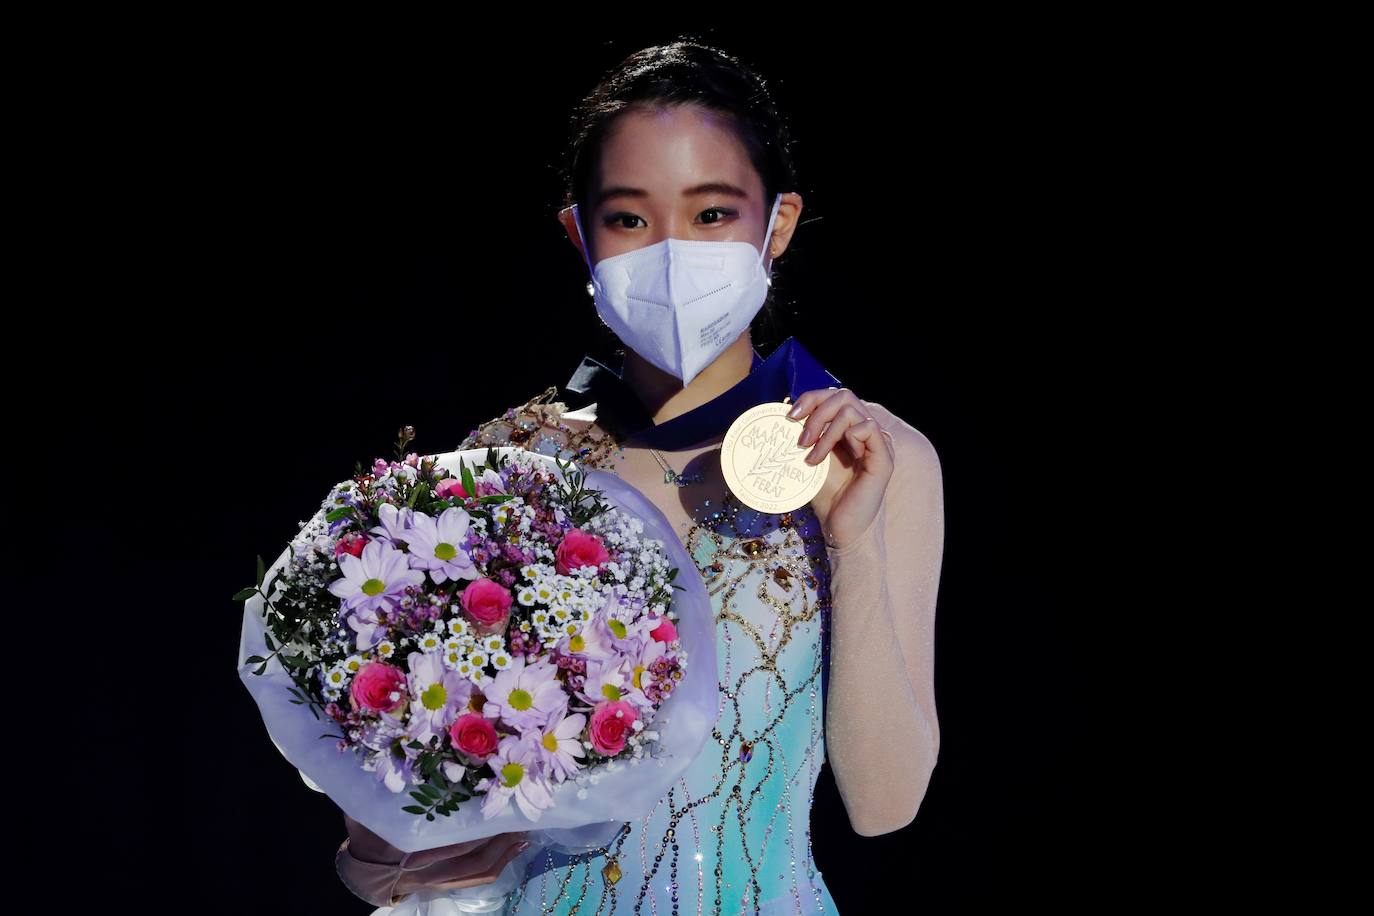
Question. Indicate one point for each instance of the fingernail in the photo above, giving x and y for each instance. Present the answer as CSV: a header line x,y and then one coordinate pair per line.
x,y
801,440
794,413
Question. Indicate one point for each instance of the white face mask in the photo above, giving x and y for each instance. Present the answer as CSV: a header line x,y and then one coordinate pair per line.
x,y
678,303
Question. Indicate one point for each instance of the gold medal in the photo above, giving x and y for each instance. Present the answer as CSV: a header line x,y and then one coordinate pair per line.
x,y
762,464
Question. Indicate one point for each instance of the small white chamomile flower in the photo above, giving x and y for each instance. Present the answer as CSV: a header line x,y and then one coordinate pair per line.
x,y
477,658
458,626
385,649
528,597
353,664
494,643
431,641
501,659
335,677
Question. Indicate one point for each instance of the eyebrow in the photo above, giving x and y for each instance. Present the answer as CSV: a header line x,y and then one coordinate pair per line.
x,y
710,187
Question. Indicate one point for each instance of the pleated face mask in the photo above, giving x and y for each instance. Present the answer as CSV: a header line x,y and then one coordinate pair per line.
x,y
678,303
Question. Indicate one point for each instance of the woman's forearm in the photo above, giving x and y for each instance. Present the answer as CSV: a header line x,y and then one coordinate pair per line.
x,y
879,740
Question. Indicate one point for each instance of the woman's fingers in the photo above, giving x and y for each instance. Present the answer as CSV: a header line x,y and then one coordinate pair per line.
x,y
489,874
819,406
426,857
482,866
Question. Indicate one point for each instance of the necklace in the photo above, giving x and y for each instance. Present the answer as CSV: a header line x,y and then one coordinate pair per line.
x,y
673,477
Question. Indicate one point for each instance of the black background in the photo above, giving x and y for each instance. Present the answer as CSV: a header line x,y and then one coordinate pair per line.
x,y
310,231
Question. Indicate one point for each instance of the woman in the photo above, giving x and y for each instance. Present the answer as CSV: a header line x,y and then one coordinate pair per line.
x,y
681,144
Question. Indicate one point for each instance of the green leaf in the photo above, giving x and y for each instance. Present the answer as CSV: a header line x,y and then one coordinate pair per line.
x,y
416,492
262,569
254,659
468,483
415,809
246,593
341,512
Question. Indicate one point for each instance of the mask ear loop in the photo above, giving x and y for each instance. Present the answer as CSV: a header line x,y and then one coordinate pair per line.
x,y
768,239
583,236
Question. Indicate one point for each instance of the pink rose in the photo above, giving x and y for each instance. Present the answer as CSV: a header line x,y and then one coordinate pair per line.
x,y
474,735
353,543
453,486
487,605
580,549
610,723
379,687
665,631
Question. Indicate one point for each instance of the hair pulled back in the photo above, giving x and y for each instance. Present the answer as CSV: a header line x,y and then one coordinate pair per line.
x,y
686,71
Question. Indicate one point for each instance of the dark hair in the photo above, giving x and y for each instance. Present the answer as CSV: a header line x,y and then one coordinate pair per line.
x,y
682,72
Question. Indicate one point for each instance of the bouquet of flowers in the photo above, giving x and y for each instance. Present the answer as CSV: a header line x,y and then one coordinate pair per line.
x,y
494,636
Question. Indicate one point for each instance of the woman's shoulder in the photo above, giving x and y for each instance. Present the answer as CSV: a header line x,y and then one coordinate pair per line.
x,y
545,424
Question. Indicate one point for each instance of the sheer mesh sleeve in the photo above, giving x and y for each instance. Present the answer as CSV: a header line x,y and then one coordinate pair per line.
x,y
882,730
373,882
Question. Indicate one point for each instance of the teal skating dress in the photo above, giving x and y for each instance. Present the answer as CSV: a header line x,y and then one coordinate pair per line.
x,y
733,834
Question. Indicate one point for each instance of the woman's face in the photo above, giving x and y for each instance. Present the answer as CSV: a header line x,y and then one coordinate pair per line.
x,y
681,173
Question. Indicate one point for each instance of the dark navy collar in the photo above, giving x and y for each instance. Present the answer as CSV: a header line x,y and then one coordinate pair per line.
x,y
787,372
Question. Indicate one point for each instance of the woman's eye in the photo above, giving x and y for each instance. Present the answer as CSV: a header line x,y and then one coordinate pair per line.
x,y
626,220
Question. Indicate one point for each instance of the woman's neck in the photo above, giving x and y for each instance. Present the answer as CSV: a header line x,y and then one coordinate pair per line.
x,y
664,396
